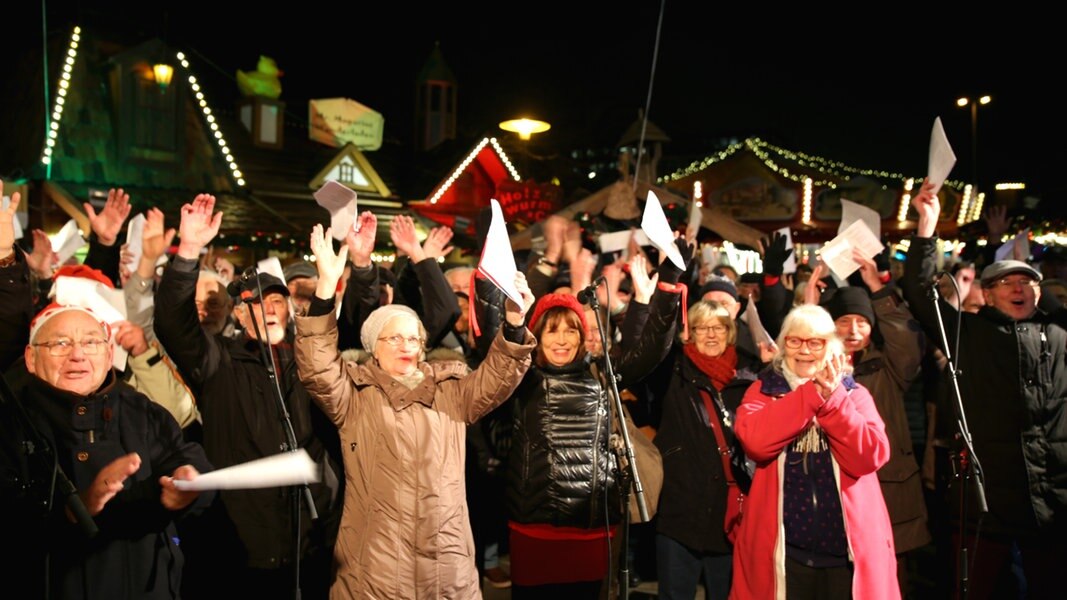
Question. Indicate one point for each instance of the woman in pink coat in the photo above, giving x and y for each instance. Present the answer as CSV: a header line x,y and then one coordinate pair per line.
x,y
815,524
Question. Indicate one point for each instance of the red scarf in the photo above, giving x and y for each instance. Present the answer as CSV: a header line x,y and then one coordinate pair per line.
x,y
720,369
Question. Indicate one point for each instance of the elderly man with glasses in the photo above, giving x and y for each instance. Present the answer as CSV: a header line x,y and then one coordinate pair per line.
x,y
1013,385
87,464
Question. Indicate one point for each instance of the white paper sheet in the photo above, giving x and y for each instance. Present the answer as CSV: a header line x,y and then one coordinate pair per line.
x,y
135,239
498,259
67,241
790,265
654,224
755,326
1006,251
279,470
341,203
16,223
837,253
273,266
106,303
854,211
942,158
696,216
620,240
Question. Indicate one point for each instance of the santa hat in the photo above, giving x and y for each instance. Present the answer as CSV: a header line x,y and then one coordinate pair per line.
x,y
54,309
562,300
80,271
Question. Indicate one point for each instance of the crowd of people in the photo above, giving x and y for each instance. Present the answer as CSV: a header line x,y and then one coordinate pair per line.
x,y
822,452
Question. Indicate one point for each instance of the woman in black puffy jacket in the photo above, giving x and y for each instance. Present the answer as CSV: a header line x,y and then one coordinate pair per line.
x,y
562,487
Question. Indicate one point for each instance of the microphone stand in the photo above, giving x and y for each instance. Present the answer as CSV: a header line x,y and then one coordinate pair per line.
x,y
270,361
969,467
615,406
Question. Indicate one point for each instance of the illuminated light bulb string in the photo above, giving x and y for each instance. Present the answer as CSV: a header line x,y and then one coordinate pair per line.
x,y
772,156
61,97
210,120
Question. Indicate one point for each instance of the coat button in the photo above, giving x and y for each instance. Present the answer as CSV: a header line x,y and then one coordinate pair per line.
x,y
83,456
80,411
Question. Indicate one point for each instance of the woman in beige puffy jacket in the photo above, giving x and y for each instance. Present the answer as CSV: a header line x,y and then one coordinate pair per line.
x,y
405,531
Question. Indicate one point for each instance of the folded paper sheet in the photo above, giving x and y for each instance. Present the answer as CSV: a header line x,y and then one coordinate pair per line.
x,y
654,224
287,468
68,241
135,239
837,253
498,259
341,203
942,158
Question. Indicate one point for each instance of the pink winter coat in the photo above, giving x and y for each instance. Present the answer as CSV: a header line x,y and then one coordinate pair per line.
x,y
769,419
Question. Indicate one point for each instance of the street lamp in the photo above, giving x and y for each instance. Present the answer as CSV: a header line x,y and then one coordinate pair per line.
x,y
962,102
525,127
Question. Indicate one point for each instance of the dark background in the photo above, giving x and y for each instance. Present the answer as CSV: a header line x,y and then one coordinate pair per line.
x,y
861,84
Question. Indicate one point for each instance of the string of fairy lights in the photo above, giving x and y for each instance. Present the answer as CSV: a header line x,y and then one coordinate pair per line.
x,y
467,161
209,118
61,96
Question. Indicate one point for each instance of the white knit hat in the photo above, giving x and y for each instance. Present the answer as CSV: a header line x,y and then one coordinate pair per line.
x,y
376,321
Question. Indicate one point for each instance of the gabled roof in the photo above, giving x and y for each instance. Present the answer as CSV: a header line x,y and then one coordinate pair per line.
x,y
363,178
481,170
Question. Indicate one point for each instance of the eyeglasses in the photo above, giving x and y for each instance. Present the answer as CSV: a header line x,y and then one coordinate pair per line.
x,y
63,347
814,344
397,341
704,329
1022,281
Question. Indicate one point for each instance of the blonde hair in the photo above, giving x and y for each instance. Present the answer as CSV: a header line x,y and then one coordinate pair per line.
x,y
708,310
815,319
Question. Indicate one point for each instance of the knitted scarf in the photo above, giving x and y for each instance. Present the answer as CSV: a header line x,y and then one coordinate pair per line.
x,y
720,369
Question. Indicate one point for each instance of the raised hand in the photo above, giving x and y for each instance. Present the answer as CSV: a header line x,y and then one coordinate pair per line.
x,y
155,239
515,314
200,224
928,206
43,260
436,244
330,264
644,286
767,350
815,286
171,497
572,242
555,229
131,338
582,268
868,271
775,254
360,239
996,222
108,223
608,293
7,223
402,231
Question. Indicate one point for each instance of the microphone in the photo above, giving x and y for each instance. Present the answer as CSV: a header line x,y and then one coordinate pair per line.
x,y
234,287
588,294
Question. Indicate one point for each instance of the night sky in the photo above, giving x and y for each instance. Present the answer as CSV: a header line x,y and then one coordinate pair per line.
x,y
863,90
